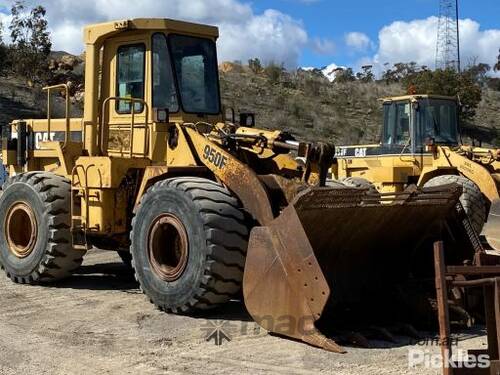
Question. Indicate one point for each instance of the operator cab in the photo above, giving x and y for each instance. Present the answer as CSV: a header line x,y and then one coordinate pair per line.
x,y
412,122
167,68
142,77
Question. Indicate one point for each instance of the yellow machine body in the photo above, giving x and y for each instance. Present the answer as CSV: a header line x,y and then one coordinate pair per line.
x,y
152,131
413,151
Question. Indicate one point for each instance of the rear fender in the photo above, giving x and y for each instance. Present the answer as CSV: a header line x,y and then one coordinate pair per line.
x,y
472,170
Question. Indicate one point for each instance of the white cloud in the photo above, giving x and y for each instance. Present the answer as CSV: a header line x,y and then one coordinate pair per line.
x,y
358,41
271,35
323,46
416,41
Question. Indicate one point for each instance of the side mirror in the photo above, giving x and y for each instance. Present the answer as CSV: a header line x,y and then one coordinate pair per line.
x,y
430,141
430,145
161,115
247,119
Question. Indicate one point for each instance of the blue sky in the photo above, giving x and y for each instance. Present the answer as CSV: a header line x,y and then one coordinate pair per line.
x,y
333,19
313,33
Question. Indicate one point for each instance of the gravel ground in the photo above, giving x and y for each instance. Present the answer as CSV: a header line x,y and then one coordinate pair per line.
x,y
98,322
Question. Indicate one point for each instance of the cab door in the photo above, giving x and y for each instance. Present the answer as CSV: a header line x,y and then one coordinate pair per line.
x,y
126,62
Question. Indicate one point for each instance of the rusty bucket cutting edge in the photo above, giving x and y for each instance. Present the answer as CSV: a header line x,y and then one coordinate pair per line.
x,y
492,228
286,289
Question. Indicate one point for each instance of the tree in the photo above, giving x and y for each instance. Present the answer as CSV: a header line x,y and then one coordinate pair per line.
x,y
448,82
255,65
274,72
3,54
366,75
400,71
479,72
31,43
344,75
497,65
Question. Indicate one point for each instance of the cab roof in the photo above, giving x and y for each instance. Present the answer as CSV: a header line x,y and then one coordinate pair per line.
x,y
95,33
416,97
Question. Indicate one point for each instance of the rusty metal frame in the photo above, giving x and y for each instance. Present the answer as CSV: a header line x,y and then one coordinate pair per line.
x,y
483,274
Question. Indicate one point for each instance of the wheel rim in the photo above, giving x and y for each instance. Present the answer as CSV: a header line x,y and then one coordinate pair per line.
x,y
21,229
168,247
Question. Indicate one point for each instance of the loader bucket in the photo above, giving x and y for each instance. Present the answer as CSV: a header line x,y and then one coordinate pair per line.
x,y
330,248
492,228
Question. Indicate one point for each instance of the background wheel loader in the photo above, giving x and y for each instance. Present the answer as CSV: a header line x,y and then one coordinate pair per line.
x,y
197,205
420,144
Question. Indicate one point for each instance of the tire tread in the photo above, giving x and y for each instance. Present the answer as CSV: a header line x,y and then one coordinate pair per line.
x,y
60,259
471,199
226,235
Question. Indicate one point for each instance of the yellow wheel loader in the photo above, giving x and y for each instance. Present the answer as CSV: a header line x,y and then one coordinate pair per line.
x,y
421,144
199,205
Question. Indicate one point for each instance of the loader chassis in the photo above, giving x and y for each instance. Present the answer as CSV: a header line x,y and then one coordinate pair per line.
x,y
195,204
420,145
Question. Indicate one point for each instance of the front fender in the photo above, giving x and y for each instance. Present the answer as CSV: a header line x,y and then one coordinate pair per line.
x,y
237,176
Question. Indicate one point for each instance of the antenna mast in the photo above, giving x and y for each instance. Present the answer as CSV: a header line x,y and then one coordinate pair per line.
x,y
448,38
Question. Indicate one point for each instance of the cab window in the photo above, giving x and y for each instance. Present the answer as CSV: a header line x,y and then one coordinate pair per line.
x,y
397,124
130,76
195,67
164,91
437,120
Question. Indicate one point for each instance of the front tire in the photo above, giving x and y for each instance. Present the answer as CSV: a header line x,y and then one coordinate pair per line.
x,y
189,241
35,239
471,199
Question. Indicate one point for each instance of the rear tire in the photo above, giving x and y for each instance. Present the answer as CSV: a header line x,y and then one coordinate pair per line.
x,y
188,244
471,199
35,239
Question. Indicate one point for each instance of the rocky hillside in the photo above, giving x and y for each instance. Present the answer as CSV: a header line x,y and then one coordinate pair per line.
x,y
308,105
304,103
19,98
311,106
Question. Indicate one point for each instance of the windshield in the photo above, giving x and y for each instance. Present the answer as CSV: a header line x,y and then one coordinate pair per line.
x,y
437,119
164,91
396,123
195,65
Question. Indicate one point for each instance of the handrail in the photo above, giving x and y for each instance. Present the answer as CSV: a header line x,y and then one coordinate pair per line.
x,y
102,134
66,90
85,189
